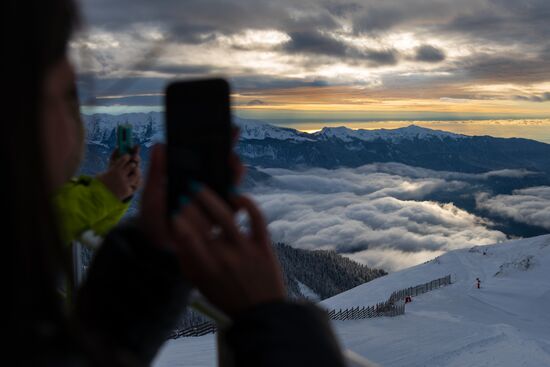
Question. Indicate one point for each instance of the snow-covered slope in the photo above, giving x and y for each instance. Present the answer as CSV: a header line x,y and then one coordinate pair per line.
x,y
393,135
505,323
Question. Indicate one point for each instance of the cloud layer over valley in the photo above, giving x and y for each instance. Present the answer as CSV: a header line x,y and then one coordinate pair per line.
x,y
384,215
530,205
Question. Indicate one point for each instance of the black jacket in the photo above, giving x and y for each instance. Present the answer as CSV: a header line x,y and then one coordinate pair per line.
x,y
135,293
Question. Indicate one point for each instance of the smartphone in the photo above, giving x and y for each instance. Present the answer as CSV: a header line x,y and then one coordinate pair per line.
x,y
125,141
198,138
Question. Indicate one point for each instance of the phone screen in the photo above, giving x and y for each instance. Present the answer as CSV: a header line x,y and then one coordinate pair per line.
x,y
125,142
198,134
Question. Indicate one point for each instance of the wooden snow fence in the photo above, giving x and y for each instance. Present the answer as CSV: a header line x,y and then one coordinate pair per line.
x,y
394,306
195,330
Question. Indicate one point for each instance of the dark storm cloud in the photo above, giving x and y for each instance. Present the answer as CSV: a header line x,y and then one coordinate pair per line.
x,y
514,38
90,87
506,21
514,68
375,19
495,20
132,89
376,16
384,57
315,43
343,9
255,82
429,53
523,24
193,34
511,68
545,97
188,17
191,19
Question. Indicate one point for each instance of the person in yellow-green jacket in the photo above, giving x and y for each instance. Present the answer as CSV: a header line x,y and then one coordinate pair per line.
x,y
98,203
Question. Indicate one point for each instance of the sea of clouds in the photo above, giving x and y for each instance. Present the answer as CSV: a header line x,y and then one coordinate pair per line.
x,y
381,214
530,205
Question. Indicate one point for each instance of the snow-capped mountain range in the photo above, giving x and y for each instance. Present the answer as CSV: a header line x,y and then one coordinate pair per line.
x,y
266,145
146,127
253,129
149,127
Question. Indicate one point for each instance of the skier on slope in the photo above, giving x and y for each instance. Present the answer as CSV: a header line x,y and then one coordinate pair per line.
x,y
478,283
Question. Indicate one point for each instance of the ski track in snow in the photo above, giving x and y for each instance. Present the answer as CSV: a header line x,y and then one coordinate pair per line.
x,y
506,323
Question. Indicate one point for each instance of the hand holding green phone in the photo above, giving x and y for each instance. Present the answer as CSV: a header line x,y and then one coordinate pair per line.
x,y
125,141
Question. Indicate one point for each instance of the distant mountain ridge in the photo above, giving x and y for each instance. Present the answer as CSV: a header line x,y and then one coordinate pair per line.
x,y
395,135
259,130
148,126
265,145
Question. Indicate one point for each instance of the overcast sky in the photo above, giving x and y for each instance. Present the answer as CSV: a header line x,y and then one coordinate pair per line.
x,y
335,58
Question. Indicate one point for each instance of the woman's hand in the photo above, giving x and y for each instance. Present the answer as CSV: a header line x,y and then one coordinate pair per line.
x,y
152,215
123,177
234,270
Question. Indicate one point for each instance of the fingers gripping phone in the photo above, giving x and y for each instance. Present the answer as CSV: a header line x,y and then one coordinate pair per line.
x,y
198,134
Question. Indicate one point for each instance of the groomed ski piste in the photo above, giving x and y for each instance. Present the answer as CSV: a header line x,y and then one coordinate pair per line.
x,y
504,323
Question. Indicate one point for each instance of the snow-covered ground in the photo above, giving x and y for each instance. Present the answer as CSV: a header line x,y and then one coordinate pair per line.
x,y
505,323
188,352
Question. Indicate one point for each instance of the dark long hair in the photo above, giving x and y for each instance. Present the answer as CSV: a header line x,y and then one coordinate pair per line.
x,y
35,37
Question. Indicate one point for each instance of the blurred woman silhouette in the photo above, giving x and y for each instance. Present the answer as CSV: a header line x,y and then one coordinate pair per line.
x,y
138,283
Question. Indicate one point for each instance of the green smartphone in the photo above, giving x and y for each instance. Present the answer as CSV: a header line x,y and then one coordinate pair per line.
x,y
125,141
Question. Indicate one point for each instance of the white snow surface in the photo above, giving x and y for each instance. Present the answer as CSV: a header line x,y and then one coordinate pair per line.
x,y
188,352
308,292
506,323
